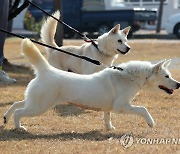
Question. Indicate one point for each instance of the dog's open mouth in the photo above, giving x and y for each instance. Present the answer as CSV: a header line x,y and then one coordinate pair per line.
x,y
169,91
122,52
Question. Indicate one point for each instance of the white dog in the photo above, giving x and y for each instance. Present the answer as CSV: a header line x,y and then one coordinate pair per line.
x,y
109,45
111,89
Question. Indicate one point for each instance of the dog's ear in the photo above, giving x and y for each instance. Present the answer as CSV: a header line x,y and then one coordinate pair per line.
x,y
157,67
126,30
167,63
115,29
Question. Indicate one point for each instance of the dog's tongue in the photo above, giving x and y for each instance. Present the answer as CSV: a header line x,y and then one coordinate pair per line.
x,y
170,91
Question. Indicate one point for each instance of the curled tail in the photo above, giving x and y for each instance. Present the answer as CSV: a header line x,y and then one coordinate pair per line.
x,y
48,30
34,56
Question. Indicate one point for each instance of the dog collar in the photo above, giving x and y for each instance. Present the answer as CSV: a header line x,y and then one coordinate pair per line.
x,y
118,68
95,45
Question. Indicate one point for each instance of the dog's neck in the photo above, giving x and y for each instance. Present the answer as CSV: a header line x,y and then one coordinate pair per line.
x,y
138,74
140,84
103,57
95,45
103,48
102,52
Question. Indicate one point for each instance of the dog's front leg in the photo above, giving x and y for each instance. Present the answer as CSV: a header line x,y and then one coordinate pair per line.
x,y
107,121
140,111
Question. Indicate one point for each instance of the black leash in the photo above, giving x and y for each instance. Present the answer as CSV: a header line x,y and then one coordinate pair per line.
x,y
63,23
83,36
86,39
96,62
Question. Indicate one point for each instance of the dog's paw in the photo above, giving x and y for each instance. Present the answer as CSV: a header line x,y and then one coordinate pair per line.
x,y
21,128
151,124
110,128
5,120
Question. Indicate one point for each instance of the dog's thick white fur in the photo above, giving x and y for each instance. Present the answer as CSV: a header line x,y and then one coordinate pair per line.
x,y
110,90
110,45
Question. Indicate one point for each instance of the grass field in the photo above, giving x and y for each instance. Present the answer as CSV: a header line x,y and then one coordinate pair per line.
x,y
68,129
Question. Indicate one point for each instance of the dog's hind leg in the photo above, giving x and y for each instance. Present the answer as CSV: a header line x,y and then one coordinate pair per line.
x,y
29,111
22,112
140,111
19,113
107,121
11,110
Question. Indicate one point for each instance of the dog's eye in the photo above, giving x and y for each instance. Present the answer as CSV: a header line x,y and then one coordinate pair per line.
x,y
120,41
167,76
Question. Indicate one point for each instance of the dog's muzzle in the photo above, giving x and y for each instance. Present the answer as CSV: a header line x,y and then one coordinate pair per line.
x,y
178,86
127,50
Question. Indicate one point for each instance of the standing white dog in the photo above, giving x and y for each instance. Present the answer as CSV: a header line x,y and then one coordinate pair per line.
x,y
110,45
108,90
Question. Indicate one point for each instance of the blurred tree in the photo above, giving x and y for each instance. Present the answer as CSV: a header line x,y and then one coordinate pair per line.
x,y
160,13
59,32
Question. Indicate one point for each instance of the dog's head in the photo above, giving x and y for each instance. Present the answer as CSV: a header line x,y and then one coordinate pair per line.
x,y
115,41
161,79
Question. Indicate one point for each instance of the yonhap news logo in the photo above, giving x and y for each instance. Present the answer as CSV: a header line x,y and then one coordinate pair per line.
x,y
127,140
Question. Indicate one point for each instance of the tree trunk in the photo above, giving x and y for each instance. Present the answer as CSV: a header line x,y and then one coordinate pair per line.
x,y
59,32
158,29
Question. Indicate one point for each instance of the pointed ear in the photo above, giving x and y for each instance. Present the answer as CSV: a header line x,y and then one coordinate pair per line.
x,y
157,67
126,30
115,29
167,63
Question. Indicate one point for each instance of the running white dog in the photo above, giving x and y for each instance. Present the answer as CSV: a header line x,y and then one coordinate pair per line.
x,y
109,45
111,89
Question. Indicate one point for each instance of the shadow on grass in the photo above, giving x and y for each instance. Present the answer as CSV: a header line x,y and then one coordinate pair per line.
x,y
69,110
15,135
6,104
19,69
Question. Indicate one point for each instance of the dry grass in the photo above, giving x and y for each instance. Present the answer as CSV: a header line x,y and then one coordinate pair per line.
x,y
68,129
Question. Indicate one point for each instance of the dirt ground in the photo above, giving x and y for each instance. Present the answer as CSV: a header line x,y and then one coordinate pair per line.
x,y
68,129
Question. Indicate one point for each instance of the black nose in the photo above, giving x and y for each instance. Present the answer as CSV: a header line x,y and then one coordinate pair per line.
x,y
178,85
128,48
